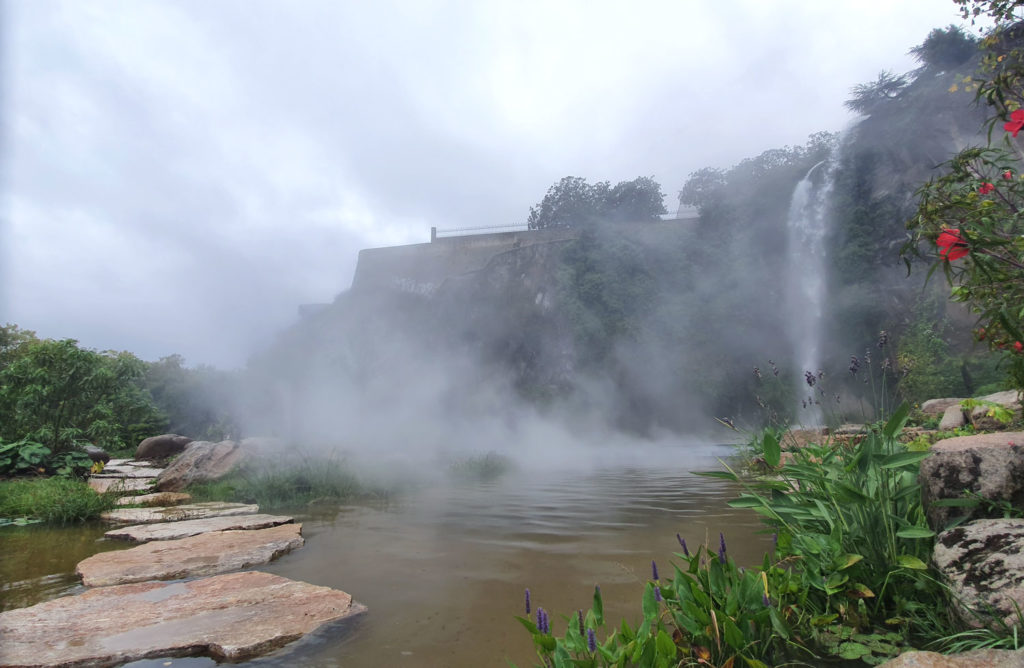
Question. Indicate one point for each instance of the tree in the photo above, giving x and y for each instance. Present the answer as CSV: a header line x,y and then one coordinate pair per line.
x,y
572,202
969,220
945,49
869,97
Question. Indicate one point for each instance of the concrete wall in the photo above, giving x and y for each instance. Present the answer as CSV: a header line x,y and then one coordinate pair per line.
x,y
422,268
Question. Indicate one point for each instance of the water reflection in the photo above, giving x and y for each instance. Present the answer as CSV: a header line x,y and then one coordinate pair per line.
x,y
443,569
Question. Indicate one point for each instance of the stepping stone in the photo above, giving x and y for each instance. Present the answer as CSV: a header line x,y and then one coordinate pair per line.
x,y
230,617
128,472
158,499
143,533
205,554
118,462
189,511
102,485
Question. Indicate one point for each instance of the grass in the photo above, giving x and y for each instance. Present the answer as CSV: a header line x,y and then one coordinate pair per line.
x,y
486,467
53,500
297,483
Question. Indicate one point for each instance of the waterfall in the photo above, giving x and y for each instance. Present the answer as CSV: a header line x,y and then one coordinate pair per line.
x,y
806,286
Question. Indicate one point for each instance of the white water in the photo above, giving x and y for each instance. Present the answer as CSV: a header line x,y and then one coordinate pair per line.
x,y
806,284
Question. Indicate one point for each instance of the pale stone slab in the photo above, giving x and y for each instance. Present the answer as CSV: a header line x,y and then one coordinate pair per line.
x,y
143,533
127,471
228,617
205,554
188,511
118,462
102,485
158,499
989,658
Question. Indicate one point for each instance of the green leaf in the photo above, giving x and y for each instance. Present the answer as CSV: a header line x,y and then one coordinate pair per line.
x,y
598,607
847,560
897,420
731,633
772,450
747,501
665,646
853,650
903,459
915,532
723,475
650,603
910,561
956,503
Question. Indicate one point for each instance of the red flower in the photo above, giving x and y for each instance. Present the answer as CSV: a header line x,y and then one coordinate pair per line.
x,y
1007,175
986,188
1016,122
952,245
1018,346
981,334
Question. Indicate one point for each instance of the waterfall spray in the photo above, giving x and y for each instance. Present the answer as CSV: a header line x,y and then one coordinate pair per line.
x,y
806,281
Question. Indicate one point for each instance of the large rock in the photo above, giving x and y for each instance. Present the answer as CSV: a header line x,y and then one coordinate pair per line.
x,y
937,407
983,562
952,419
205,554
96,454
202,461
229,617
143,533
989,465
128,471
188,511
161,447
987,658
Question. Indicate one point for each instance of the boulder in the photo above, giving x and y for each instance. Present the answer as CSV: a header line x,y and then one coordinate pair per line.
x,y
989,658
201,462
161,447
952,419
983,562
230,617
936,407
989,465
96,454
203,554
143,533
188,511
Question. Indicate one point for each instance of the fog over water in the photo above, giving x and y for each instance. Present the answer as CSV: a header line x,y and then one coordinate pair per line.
x,y
179,176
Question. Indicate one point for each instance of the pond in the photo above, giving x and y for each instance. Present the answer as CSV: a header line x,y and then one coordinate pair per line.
x,y
443,567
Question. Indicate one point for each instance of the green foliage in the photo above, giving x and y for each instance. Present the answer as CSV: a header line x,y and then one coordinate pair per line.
x,y
572,202
55,500
295,483
923,358
868,97
197,402
944,49
60,395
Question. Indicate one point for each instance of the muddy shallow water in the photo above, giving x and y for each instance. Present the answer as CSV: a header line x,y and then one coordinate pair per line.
x,y
443,568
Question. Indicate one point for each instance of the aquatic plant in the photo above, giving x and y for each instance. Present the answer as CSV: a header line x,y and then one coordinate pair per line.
x,y
54,500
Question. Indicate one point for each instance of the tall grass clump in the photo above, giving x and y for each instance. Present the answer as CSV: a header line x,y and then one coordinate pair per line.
x,y
53,500
295,482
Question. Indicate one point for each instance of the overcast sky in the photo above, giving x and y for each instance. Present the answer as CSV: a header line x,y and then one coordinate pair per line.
x,y
179,175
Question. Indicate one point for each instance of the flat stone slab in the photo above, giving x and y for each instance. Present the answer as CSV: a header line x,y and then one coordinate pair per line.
x,y
157,499
228,617
989,658
188,511
127,471
204,554
143,533
118,462
102,485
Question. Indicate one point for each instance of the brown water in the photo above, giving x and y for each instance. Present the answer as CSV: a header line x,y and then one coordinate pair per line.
x,y
443,568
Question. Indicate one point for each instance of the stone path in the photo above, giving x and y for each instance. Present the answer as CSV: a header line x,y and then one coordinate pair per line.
x,y
204,554
227,616
187,511
157,499
143,533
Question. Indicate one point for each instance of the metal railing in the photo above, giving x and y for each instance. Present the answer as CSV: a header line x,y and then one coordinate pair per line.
x,y
466,231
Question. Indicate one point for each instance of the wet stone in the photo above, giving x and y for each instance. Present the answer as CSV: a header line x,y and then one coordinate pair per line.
x,y
158,499
128,471
189,511
203,554
228,617
143,533
102,485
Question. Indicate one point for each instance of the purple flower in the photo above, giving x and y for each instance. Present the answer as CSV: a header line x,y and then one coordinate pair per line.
x,y
657,594
767,601
775,541
541,616
527,601
591,641
682,542
579,618
654,570
721,548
